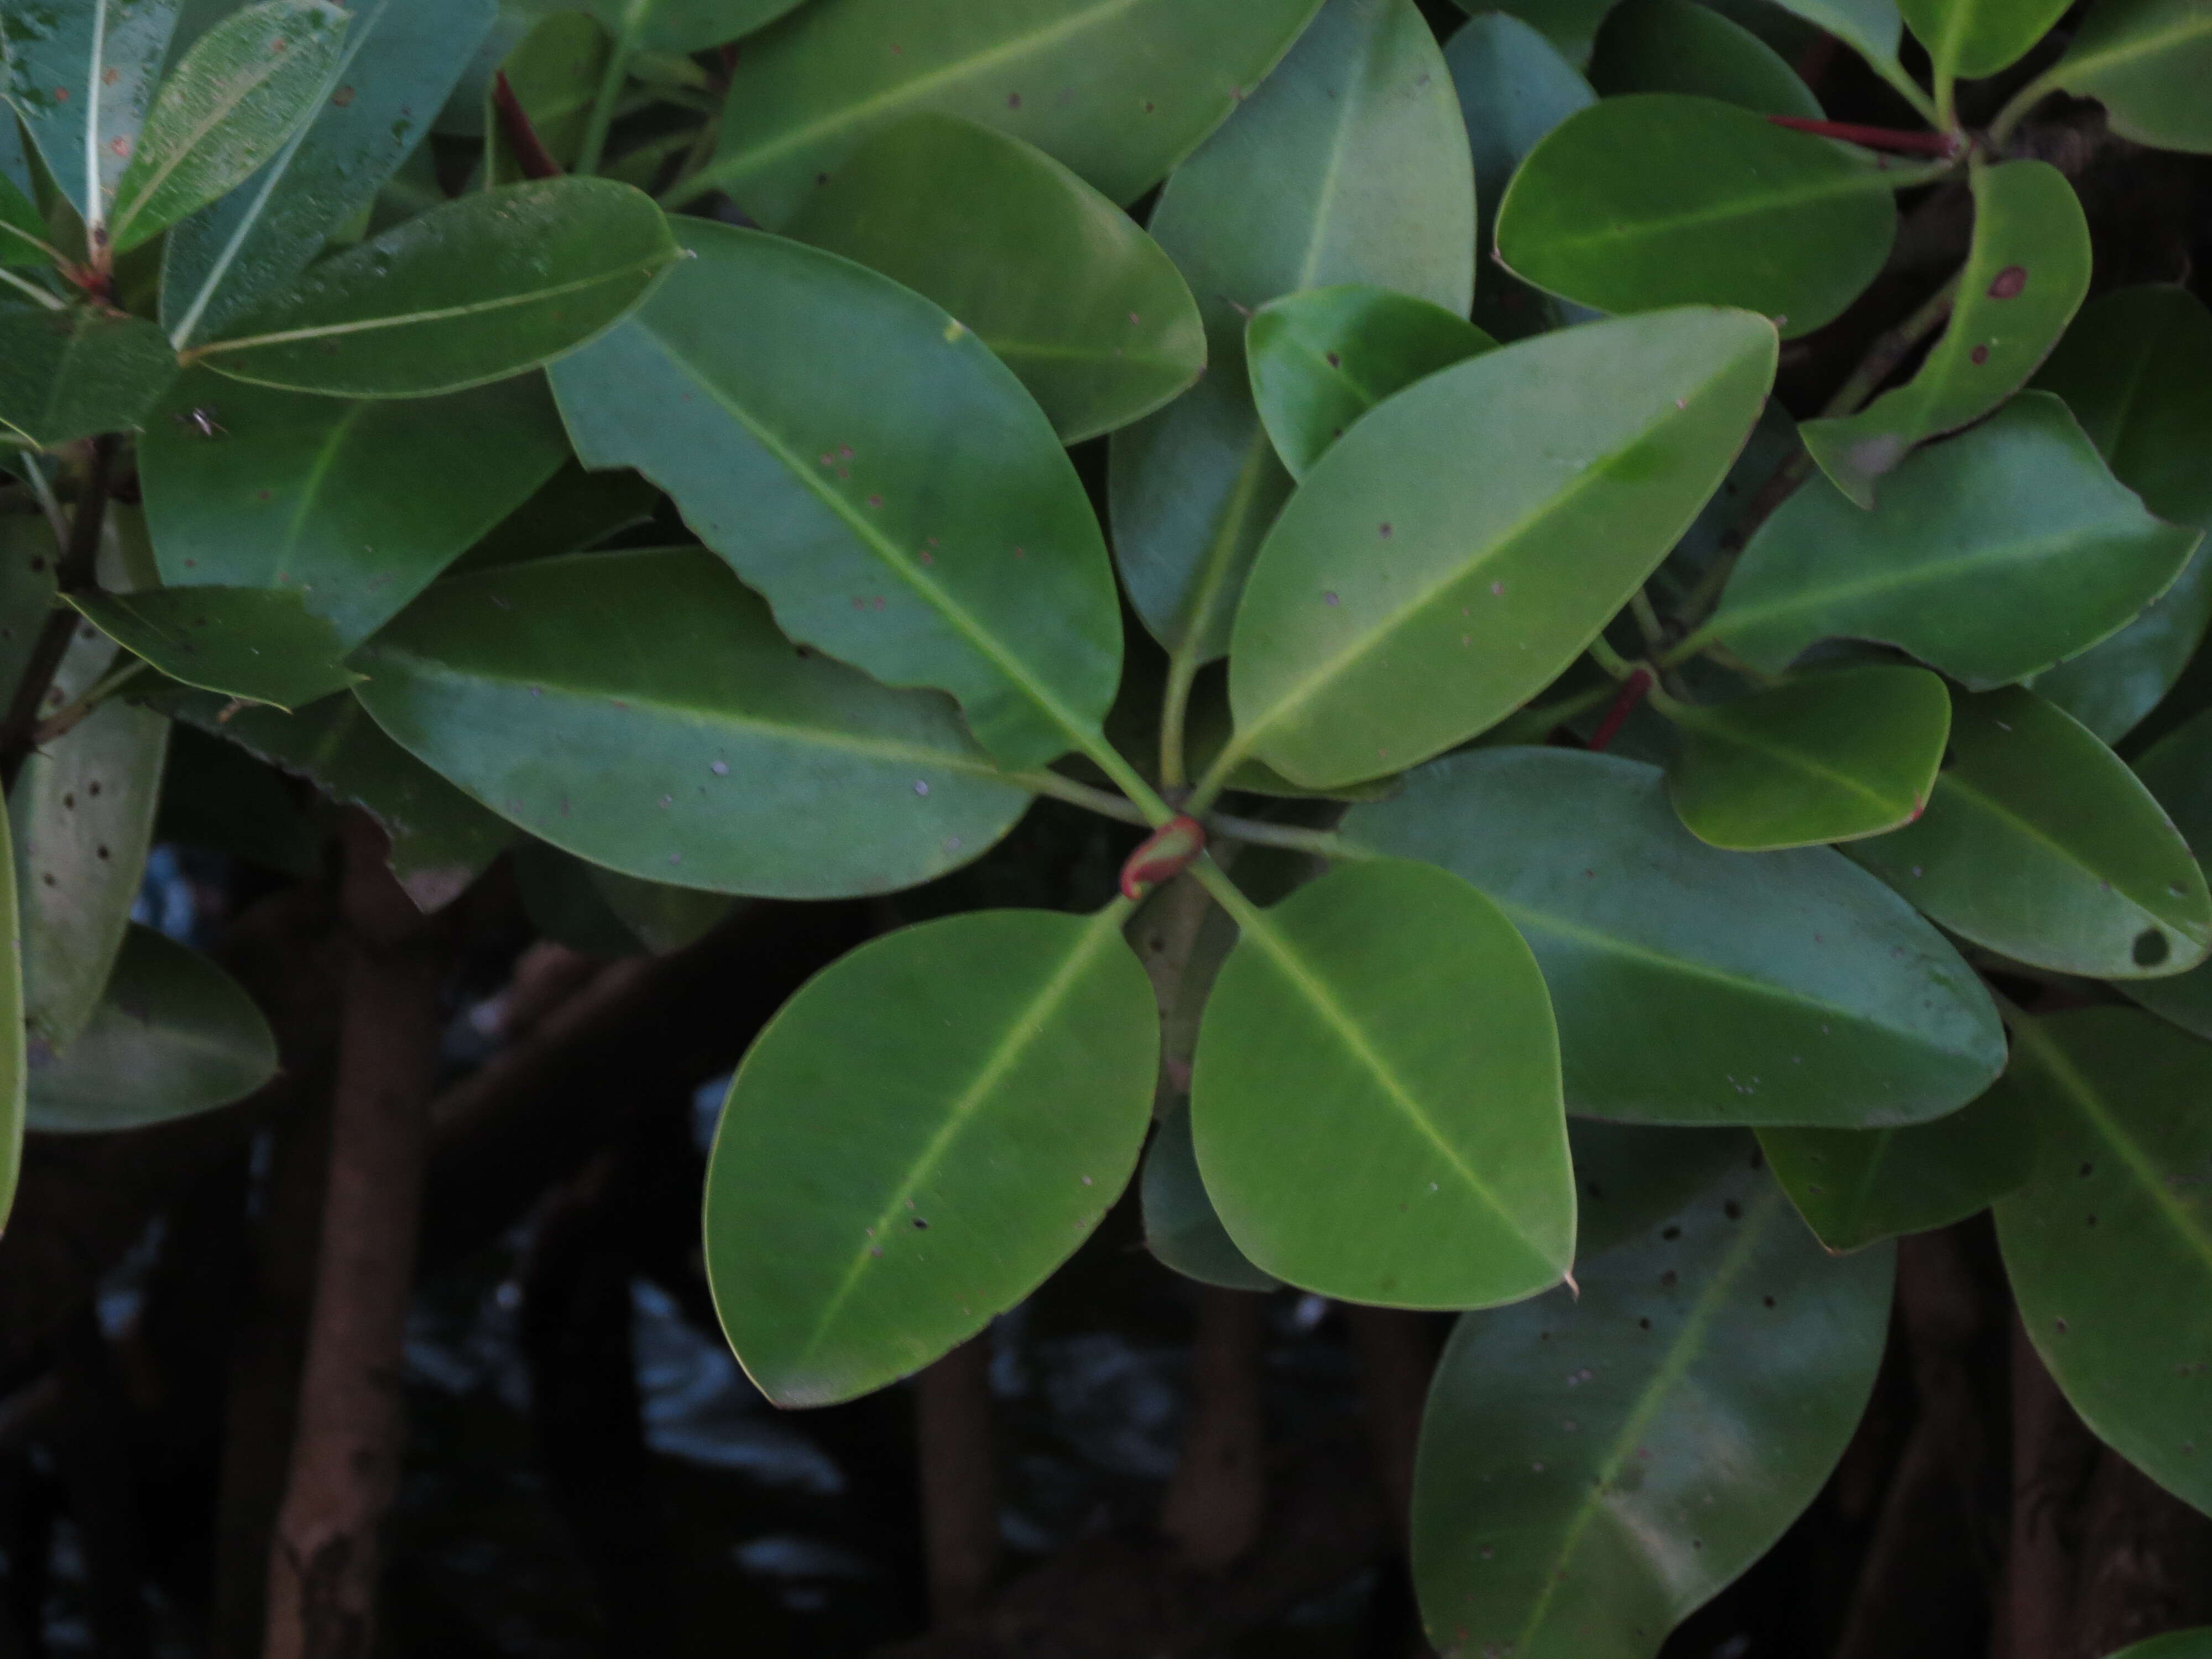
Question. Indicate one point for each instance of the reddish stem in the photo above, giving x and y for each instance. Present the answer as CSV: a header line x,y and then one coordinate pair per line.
x,y
1890,138
1631,693
530,152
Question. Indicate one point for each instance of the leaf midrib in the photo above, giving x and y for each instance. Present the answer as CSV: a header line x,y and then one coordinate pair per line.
x,y
1793,760
241,87
2070,66
1722,213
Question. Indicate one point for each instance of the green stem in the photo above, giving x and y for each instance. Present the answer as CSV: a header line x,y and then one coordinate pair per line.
x,y
62,721
612,81
1216,776
2020,103
26,286
1908,88
1325,842
49,503
1104,802
1887,352
1947,101
1610,659
1647,620
1175,714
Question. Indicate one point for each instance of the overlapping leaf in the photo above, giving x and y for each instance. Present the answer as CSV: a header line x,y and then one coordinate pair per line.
x,y
2178,771
67,375
2147,62
1569,27
1677,45
1975,38
261,644
80,77
686,25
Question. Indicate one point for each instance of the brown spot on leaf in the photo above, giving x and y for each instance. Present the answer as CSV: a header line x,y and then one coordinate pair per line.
x,y
2008,282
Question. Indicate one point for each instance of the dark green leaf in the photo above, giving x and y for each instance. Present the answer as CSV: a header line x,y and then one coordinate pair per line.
x,y
22,227
663,917
2180,1645
1971,39
1630,1177
261,644
642,711
2147,60
2109,1248
1056,279
81,76
1322,358
2023,281
215,795
1872,28
565,905
354,506
1389,1006
2040,844
1120,90
482,287
1692,985
27,555
928,1129
575,510
1828,758
2178,771
1402,603
1991,557
1678,46
554,72
1270,206
1568,25
1182,1227
1658,199
400,60
67,375
173,1035
1568,1499
686,25
913,512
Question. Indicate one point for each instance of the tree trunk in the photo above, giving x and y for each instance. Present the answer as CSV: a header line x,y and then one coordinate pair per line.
x,y
959,1478
1212,1507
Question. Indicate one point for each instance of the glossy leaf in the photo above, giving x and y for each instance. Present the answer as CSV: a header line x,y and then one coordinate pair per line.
x,y
482,287
1060,282
305,493
554,72
1657,199
642,711
1990,556
1402,603
2040,844
2136,370
913,513
233,103
1182,1227
2109,1248
1827,757
173,1035
1321,359
1568,1499
1631,1177
1871,28
974,1092
22,227
261,644
2178,771
685,26
1569,27
1266,208
1971,39
1119,90
80,77
2022,283
1678,46
1856,1186
1695,986
67,375
400,60
575,510
1387,1006
2147,62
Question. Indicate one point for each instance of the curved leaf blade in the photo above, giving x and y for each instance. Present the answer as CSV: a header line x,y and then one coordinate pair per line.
x,y
2177,770
1972,39
68,374
1568,26
2147,60
260,644
1182,1226
82,77
686,26
1677,45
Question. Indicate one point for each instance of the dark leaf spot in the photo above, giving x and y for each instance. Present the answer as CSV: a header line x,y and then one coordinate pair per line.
x,y
2008,282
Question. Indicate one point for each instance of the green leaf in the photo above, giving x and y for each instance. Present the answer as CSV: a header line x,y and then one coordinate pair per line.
x,y
554,72
22,227
173,1035
1971,39
1678,46
1569,27
913,513
574,511
355,505
563,903
2109,1248
685,26
14,1062
1855,1186
485,287
1694,986
1054,278
68,374
1322,358
1991,557
1829,757
1402,603
642,711
216,796
2177,1644
2136,370
663,917
2022,283
1387,1006
240,94
1268,207
28,557
81,76
2040,844
1568,1499
928,1129
81,818
1119,90
1630,1177
260,644
1657,199
2147,60
1182,1227
2177,770
1871,28
400,60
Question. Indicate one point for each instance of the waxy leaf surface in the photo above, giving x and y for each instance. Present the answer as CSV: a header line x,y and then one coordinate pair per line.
x,y
642,711
1571,1500
2148,62
66,375
2023,281
2040,844
2109,1248
1407,598
81,78
1182,1226
1660,199
1971,39
914,513
1678,46
1990,556
1694,986
1375,1099
2177,770
1059,282
1268,207
261,644
976,1092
